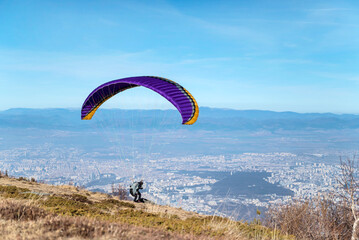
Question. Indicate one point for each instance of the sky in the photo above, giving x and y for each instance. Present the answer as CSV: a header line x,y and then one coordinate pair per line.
x,y
284,55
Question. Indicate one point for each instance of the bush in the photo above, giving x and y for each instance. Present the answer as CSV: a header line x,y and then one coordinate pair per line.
x,y
119,191
80,198
318,218
10,210
66,206
114,202
12,191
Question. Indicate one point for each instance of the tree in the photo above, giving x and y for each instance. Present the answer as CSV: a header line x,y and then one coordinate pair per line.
x,y
119,191
329,216
348,180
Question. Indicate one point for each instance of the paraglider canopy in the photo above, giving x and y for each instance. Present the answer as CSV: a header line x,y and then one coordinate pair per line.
x,y
172,91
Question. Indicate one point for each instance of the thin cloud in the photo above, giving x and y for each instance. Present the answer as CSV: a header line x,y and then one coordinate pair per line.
x,y
328,10
339,76
239,32
74,65
206,60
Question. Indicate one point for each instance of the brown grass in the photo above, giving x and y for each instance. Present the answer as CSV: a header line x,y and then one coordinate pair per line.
x,y
19,220
31,210
320,218
14,210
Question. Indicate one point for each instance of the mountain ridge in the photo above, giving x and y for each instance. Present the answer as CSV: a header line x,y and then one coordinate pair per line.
x,y
209,119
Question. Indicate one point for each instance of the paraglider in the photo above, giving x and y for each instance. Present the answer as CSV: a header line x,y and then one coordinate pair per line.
x,y
172,91
135,191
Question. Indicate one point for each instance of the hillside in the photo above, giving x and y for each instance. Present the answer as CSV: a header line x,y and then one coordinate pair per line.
x,y
32,210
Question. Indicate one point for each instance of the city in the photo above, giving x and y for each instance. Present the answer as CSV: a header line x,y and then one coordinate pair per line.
x,y
168,181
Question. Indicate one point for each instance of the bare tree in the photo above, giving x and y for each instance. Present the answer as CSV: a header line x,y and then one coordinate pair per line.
x,y
348,180
119,191
329,216
122,192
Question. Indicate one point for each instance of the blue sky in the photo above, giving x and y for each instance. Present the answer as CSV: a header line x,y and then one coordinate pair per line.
x,y
276,55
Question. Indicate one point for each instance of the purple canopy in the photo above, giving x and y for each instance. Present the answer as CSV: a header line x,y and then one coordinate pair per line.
x,y
172,91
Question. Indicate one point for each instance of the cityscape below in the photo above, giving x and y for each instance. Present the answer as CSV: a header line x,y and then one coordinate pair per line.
x,y
181,168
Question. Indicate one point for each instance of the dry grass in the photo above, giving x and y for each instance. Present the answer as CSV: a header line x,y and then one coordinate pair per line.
x,y
166,211
238,230
15,210
19,220
50,189
320,219
40,211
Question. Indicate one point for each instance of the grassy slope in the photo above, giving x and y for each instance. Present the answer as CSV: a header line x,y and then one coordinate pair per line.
x,y
30,210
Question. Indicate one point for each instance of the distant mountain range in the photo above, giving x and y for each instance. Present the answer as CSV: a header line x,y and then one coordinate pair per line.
x,y
209,119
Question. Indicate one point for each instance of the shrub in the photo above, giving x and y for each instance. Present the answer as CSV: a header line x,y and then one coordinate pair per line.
x,y
80,198
119,191
126,204
66,206
114,202
12,191
318,218
10,210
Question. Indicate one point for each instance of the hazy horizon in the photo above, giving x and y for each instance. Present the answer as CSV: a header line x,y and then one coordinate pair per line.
x,y
229,109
